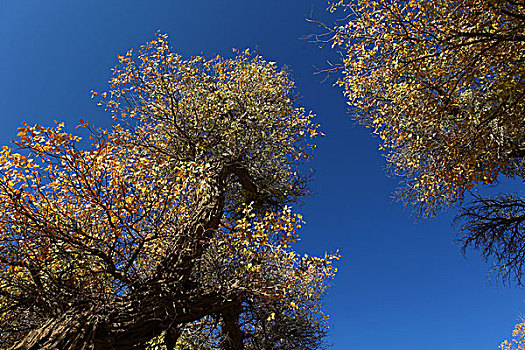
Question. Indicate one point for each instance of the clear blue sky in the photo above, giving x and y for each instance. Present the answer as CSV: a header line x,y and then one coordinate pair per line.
x,y
401,285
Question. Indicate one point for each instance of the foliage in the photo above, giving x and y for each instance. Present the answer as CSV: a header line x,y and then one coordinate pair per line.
x,y
283,291
441,83
169,224
518,343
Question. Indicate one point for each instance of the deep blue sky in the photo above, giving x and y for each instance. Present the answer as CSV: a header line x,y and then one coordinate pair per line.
x,y
401,284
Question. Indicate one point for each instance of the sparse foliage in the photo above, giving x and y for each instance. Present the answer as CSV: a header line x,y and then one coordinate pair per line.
x,y
518,341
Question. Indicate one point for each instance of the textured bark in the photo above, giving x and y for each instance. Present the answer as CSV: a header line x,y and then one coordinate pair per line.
x,y
74,330
131,322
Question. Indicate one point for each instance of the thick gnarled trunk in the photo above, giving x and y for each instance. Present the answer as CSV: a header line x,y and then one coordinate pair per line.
x,y
130,323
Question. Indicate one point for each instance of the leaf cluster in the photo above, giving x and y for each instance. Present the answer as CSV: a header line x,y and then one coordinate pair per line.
x,y
441,83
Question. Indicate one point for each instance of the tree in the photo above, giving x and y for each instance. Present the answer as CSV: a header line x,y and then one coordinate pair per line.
x,y
170,224
442,84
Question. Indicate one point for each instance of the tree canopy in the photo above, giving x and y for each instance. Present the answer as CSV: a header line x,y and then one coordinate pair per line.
x,y
442,84
171,228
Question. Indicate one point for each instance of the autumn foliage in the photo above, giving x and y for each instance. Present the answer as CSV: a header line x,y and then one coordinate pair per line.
x,y
172,228
518,339
441,83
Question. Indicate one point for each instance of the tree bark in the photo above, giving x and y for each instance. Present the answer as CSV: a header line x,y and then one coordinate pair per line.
x,y
131,323
232,334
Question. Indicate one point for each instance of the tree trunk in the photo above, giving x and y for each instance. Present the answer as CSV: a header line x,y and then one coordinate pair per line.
x,y
232,334
130,324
